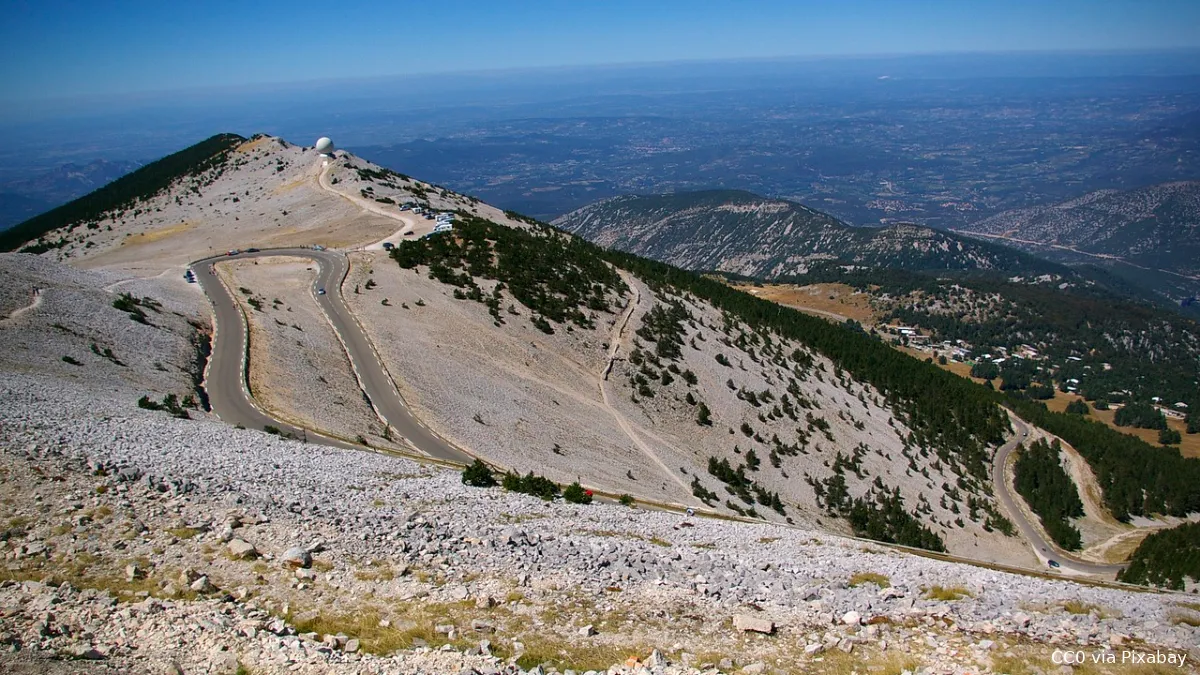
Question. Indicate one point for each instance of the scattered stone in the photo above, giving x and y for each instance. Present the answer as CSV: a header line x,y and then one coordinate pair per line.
x,y
852,618
749,623
240,549
202,585
297,556
587,631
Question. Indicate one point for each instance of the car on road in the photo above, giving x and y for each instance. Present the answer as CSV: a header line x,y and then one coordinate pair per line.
x,y
320,291
318,247
232,251
1054,564
251,250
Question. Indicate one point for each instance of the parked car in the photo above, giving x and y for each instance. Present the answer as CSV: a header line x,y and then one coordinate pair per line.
x,y
387,246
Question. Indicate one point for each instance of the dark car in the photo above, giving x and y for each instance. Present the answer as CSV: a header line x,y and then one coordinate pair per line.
x,y
251,250
1054,564
320,291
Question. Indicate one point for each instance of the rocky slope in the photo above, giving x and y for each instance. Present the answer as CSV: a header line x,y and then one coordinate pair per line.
x,y
743,233
138,542
1156,226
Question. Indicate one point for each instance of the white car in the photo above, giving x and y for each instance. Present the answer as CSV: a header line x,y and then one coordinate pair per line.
x,y
320,291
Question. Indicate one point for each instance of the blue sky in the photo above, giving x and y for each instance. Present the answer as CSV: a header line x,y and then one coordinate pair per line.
x,y
54,49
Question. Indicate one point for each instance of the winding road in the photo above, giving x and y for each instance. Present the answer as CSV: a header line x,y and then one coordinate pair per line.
x,y
225,379
1042,548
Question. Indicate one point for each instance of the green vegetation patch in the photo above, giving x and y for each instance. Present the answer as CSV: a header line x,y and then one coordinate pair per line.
x,y
1049,491
1166,558
555,276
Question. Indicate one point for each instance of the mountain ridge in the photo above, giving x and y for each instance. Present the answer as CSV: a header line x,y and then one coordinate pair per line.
x,y
744,233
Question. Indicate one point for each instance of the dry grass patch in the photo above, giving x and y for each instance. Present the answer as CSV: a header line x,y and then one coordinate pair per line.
x,y
836,662
576,654
1185,619
183,533
948,593
407,624
860,578
1079,607
377,570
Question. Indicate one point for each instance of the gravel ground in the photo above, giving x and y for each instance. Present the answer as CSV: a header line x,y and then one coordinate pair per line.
x,y
93,486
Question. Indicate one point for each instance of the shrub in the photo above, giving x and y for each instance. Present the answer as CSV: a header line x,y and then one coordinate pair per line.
x,y
575,494
477,474
703,416
1077,407
1169,437
529,484
273,430
72,361
723,361
626,500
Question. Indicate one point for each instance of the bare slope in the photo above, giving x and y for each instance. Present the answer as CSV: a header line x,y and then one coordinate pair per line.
x,y
61,323
780,421
1156,226
298,369
264,192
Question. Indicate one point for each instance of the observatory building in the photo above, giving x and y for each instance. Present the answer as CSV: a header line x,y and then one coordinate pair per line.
x,y
325,146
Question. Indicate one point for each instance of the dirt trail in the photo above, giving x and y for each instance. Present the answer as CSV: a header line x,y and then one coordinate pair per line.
x,y
34,304
618,335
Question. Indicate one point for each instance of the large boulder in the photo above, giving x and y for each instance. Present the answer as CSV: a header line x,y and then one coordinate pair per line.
x,y
749,623
297,556
240,549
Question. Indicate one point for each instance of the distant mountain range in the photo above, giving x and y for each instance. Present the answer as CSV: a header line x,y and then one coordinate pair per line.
x,y
1156,227
28,195
743,233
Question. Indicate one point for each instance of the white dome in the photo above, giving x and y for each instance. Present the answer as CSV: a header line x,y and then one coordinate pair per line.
x,y
325,146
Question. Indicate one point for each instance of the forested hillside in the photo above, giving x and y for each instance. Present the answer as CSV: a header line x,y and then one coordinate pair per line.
x,y
1083,336
1169,558
1049,491
1136,478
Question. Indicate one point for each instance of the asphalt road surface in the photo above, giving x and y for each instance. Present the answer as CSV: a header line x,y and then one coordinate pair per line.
x,y
226,381
1045,550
